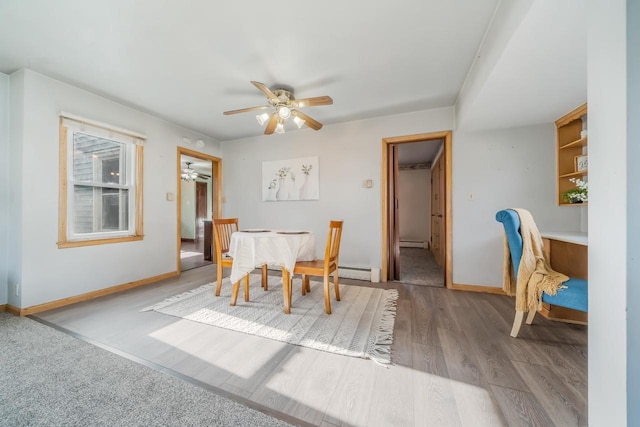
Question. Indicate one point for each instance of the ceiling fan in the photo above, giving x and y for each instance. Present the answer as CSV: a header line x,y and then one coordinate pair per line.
x,y
284,106
189,174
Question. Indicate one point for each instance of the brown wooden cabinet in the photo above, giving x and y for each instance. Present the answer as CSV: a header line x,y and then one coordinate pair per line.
x,y
571,143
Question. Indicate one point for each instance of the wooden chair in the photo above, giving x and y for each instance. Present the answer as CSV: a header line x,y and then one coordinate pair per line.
x,y
323,267
222,230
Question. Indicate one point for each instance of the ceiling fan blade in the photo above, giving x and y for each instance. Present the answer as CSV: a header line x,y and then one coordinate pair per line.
x,y
271,126
270,95
313,124
244,110
312,102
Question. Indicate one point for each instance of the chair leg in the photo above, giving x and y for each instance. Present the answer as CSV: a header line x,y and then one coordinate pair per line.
x,y
336,284
246,288
303,288
219,277
307,284
327,295
530,316
517,323
265,279
234,293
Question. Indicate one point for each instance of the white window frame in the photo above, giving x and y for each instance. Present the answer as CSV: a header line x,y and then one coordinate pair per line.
x,y
132,167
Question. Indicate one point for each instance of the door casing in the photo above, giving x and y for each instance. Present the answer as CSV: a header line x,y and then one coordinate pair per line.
x,y
216,176
447,156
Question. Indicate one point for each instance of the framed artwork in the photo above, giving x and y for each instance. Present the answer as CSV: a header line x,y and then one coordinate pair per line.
x,y
293,179
581,163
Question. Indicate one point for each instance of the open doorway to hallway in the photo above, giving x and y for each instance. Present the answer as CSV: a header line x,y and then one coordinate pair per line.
x,y
198,203
416,209
419,214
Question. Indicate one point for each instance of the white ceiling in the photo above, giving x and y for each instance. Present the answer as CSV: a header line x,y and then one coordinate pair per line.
x,y
190,61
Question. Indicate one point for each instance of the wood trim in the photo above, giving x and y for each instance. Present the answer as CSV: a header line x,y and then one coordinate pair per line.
x,y
3,307
139,190
105,126
448,143
572,115
63,243
62,185
80,243
216,176
12,310
92,295
448,226
477,288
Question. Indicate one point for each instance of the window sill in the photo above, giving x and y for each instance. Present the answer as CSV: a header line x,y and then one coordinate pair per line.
x,y
79,243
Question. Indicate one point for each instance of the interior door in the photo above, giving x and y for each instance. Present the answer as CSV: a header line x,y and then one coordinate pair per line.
x,y
394,217
437,211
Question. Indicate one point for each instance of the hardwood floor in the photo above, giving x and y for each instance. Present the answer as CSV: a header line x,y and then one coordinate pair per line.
x,y
454,362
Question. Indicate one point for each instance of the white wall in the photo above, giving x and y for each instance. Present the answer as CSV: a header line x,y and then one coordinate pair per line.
x,y
188,210
348,154
4,185
610,207
48,273
633,219
15,184
414,190
494,170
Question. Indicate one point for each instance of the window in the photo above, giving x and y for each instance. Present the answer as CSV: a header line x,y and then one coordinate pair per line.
x,y
100,184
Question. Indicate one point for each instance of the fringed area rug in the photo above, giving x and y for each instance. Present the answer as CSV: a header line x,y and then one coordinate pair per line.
x,y
361,324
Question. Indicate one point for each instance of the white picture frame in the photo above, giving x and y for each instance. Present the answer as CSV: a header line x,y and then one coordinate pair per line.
x,y
581,163
290,180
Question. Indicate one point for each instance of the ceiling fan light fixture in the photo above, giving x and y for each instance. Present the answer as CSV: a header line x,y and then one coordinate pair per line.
x,y
298,121
189,174
262,118
284,112
280,127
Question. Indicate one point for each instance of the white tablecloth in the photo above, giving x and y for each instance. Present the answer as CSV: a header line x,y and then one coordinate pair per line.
x,y
252,250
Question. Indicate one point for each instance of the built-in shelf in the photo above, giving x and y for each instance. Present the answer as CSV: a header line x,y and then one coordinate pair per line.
x,y
575,174
571,147
582,142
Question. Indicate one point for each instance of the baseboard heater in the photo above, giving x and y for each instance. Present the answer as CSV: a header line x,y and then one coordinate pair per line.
x,y
368,274
414,244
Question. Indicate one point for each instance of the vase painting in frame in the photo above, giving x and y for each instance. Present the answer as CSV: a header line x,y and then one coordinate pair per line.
x,y
290,180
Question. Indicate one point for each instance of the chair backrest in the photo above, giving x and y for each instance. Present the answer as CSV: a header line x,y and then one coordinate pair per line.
x,y
511,222
332,250
222,230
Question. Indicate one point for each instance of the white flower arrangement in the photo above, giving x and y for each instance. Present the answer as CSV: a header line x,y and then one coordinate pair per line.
x,y
306,169
579,194
272,185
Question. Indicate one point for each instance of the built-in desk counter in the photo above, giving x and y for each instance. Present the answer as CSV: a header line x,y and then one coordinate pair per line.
x,y
568,254
566,236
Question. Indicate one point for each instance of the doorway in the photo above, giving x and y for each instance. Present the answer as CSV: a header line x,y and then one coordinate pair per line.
x,y
417,209
198,201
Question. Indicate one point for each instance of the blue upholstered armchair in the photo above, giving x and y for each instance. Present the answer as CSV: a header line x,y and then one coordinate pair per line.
x,y
572,294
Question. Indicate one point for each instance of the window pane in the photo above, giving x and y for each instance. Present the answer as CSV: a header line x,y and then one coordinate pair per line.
x,y
98,209
98,160
114,209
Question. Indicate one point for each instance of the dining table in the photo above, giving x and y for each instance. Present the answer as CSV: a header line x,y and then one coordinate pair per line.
x,y
252,248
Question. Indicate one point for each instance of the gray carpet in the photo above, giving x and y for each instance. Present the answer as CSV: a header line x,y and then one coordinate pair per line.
x,y
53,379
419,267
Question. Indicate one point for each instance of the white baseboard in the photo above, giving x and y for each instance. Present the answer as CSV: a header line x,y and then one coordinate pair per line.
x,y
356,273
368,274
